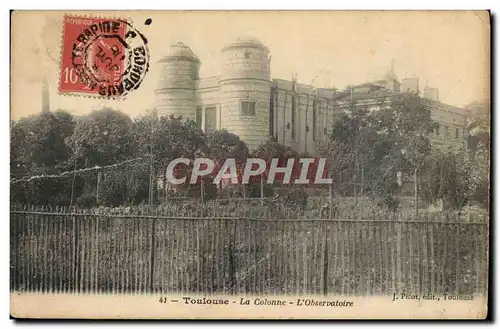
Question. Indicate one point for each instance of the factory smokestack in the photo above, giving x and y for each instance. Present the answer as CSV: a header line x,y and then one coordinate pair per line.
x,y
45,96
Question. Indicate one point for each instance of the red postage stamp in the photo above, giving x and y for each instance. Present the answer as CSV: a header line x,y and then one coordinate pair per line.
x,y
101,57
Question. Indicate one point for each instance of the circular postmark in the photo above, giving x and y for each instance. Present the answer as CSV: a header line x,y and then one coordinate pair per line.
x,y
111,58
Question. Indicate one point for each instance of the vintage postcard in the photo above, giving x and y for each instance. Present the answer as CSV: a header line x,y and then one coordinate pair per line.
x,y
250,164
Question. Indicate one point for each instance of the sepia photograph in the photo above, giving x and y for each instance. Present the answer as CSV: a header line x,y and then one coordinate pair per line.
x,y
249,164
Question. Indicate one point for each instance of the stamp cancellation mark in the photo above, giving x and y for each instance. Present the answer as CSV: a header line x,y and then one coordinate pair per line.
x,y
102,57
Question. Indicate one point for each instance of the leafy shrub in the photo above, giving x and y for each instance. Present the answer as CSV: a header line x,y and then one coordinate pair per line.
x,y
294,197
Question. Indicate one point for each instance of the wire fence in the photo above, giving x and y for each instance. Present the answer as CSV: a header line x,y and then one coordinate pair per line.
x,y
128,182
141,250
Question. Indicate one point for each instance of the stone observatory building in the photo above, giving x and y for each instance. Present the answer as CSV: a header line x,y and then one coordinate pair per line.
x,y
244,99
237,100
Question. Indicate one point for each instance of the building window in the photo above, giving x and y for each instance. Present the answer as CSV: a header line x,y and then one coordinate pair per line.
x,y
198,117
210,120
446,132
293,117
314,120
457,133
248,108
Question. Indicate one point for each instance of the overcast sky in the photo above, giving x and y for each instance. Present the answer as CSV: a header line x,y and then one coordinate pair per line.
x,y
447,50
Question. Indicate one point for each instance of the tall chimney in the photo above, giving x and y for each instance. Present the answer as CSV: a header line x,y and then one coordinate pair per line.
x,y
45,96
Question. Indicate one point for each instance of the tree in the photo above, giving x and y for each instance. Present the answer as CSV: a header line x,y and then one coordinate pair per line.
x,y
460,178
481,172
407,124
38,147
39,140
166,138
479,134
354,146
127,185
270,150
450,177
378,144
222,144
103,137
19,155
479,144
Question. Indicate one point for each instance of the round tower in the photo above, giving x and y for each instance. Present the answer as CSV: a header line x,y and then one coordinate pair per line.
x,y
179,74
245,88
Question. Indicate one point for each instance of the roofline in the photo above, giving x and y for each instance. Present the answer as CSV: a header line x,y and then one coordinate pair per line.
x,y
166,59
245,44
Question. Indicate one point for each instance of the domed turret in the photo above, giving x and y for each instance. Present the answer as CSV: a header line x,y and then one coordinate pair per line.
x,y
246,58
175,91
245,87
247,41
